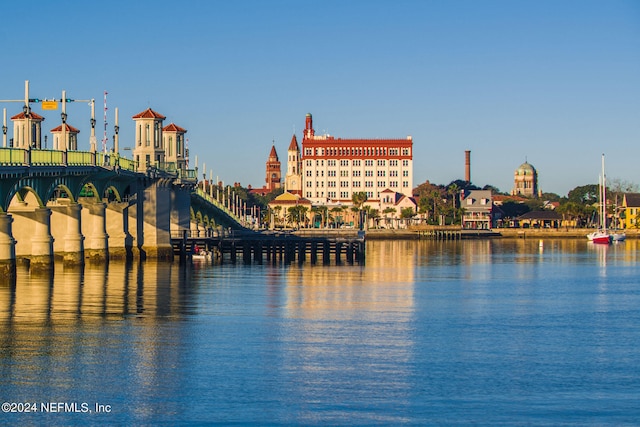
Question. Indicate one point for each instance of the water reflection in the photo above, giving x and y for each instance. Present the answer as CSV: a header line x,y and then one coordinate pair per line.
x,y
355,343
96,290
119,289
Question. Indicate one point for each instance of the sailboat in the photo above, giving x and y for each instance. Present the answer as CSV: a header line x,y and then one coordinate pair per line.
x,y
601,235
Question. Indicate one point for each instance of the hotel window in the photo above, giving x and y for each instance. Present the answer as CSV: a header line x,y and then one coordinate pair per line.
x,y
344,173
382,173
369,194
331,173
382,162
368,183
344,183
368,162
356,183
356,163
382,184
368,173
332,194
393,163
405,163
405,184
308,193
405,173
148,136
356,173
331,162
393,173
309,183
307,151
405,151
344,162
393,184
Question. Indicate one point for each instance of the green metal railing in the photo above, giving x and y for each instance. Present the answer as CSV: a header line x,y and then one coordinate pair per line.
x,y
12,156
36,157
217,204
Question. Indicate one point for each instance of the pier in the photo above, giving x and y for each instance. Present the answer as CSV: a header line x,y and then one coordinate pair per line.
x,y
270,247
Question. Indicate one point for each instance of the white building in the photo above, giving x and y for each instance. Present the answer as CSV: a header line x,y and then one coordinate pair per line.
x,y
335,168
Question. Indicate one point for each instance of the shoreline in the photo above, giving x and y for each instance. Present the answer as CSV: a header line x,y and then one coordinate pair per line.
x,y
497,233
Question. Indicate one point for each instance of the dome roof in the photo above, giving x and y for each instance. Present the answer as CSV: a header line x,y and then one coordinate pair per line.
x,y
526,169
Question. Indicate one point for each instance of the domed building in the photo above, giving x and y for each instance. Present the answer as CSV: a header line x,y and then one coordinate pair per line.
x,y
525,181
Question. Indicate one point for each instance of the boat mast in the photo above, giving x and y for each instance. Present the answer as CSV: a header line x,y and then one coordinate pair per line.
x,y
603,190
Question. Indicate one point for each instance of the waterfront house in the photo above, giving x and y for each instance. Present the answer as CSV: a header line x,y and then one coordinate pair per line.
x,y
478,210
540,219
391,206
631,209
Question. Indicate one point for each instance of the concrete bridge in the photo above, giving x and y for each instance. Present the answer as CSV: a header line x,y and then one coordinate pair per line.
x,y
75,205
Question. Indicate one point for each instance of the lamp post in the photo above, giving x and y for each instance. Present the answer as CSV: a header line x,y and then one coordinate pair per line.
x,y
4,127
63,115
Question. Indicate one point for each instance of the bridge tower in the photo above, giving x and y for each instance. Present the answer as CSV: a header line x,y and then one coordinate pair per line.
x,y
149,145
70,135
174,143
27,129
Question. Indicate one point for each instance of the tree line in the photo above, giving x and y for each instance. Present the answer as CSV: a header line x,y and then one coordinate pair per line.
x,y
437,201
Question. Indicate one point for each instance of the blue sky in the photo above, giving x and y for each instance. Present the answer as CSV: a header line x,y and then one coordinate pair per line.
x,y
554,82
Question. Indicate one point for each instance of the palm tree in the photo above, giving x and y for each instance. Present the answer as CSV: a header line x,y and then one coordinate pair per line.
x,y
277,210
359,198
337,215
297,214
453,191
388,210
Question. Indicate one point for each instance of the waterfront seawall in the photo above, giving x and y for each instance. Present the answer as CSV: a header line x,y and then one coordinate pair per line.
x,y
505,233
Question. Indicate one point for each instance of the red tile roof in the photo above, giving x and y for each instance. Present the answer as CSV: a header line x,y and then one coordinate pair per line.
x,y
34,116
149,114
294,144
172,127
69,129
273,153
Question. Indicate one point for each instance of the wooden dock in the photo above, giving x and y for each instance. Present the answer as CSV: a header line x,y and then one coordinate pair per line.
x,y
255,247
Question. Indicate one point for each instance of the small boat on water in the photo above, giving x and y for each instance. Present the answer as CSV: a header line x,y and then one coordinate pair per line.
x,y
618,236
202,255
602,236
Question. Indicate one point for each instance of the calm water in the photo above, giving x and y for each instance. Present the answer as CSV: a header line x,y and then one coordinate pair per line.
x,y
477,332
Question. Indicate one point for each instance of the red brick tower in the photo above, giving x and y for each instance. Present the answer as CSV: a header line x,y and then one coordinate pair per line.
x,y
273,170
308,127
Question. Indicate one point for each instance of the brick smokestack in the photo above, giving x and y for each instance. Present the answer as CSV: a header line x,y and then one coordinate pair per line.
x,y
467,166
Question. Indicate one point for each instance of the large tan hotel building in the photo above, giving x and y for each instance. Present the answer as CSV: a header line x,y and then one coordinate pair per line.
x,y
329,170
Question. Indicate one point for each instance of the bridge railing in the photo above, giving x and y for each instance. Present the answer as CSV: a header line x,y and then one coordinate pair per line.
x,y
13,156
42,157
215,202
